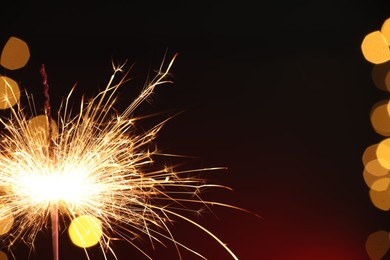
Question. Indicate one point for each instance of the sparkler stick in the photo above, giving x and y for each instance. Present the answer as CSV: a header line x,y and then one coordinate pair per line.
x,y
54,206
54,231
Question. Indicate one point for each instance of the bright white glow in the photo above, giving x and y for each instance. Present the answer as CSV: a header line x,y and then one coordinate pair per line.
x,y
69,187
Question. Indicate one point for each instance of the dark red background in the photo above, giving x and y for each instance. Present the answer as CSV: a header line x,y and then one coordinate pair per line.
x,y
278,93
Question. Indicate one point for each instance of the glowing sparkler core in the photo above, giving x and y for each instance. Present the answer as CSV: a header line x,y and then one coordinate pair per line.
x,y
94,165
70,188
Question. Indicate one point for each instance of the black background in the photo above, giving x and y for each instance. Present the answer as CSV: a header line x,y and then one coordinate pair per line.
x,y
279,93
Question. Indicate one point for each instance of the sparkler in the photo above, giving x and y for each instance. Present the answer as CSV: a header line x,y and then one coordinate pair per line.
x,y
93,163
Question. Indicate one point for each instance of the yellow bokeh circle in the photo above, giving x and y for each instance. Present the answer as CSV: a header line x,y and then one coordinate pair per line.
x,y
375,48
383,153
385,30
6,220
85,231
9,92
380,118
15,54
3,256
38,128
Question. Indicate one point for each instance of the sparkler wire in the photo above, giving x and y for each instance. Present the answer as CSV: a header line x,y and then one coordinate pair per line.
x,y
54,207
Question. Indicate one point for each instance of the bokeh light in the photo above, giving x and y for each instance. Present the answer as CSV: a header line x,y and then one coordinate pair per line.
x,y
39,129
380,199
375,48
373,171
9,92
369,154
15,54
381,184
375,168
385,30
383,153
377,244
85,231
380,76
6,220
377,178
3,256
380,118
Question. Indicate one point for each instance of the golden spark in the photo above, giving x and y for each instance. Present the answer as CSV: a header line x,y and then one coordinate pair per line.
x,y
92,167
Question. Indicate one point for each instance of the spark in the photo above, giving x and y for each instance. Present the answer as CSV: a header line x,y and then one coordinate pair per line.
x,y
94,163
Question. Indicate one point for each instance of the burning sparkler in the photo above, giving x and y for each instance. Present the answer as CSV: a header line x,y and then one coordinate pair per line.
x,y
92,168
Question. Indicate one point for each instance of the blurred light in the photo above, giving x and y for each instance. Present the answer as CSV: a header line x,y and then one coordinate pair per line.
x,y
39,129
381,184
373,171
85,231
375,168
385,30
15,54
380,199
3,256
380,118
377,245
380,76
6,220
383,153
375,48
9,92
369,154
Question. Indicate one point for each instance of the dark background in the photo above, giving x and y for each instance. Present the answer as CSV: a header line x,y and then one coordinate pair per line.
x,y
279,93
